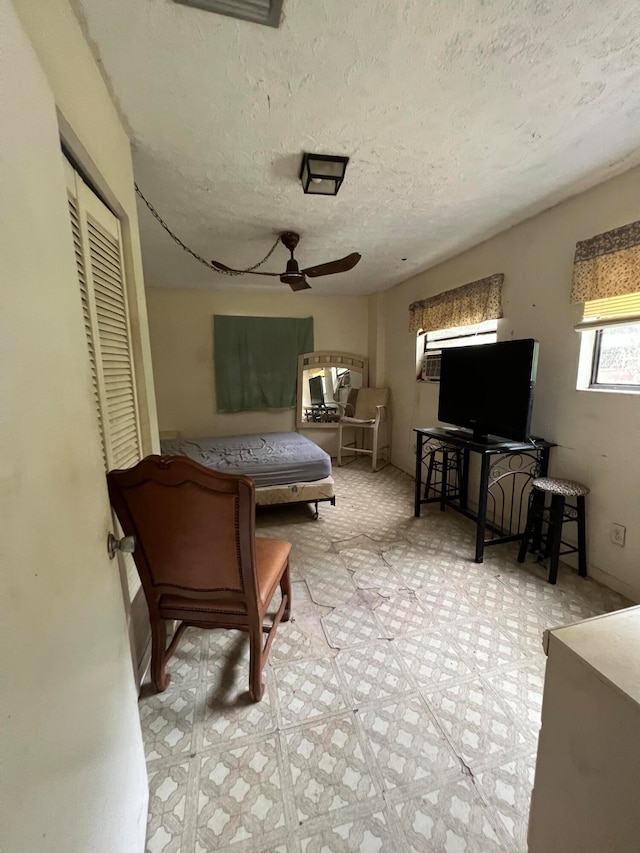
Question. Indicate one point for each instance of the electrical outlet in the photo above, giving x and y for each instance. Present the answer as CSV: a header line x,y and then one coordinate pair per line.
x,y
618,533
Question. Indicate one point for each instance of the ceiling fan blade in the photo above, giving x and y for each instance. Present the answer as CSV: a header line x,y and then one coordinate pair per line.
x,y
303,284
217,265
332,267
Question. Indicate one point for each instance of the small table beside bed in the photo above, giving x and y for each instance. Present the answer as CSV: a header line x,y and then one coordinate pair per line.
x,y
286,467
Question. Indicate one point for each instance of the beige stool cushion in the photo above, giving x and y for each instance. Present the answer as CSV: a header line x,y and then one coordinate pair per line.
x,y
556,486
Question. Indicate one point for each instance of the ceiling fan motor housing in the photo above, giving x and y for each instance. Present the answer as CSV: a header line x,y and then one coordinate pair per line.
x,y
292,273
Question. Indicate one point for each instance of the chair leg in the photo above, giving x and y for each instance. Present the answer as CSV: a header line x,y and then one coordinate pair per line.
x,y
528,530
256,686
374,449
582,537
556,518
340,443
285,589
536,505
159,677
538,502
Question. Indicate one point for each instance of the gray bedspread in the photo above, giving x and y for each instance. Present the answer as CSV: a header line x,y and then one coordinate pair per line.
x,y
270,459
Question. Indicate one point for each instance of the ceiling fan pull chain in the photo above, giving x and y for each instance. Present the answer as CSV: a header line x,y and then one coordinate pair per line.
x,y
195,255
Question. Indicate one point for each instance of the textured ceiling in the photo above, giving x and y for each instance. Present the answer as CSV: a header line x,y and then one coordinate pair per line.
x,y
460,118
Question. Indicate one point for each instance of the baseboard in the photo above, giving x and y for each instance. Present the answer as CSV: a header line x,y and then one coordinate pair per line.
x,y
144,665
614,583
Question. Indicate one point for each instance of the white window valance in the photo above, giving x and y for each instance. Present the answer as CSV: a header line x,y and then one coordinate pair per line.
x,y
463,306
607,265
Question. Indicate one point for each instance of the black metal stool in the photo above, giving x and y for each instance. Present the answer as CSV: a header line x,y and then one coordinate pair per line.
x,y
438,470
555,516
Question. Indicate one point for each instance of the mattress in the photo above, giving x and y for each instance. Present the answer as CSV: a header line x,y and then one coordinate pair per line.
x,y
270,459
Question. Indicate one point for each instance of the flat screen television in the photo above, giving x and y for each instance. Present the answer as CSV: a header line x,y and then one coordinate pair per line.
x,y
488,389
316,391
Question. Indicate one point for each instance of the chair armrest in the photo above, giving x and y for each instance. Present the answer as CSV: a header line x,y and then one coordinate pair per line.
x,y
381,414
343,409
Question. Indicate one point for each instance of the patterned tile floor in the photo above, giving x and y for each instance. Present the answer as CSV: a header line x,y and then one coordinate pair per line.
x,y
403,701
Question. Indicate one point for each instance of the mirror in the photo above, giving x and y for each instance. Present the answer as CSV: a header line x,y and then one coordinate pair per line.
x,y
324,380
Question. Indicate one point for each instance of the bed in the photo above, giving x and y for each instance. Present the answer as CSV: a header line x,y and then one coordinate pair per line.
x,y
285,466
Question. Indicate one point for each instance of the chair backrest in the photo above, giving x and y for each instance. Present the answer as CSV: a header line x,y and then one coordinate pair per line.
x,y
350,406
194,527
368,399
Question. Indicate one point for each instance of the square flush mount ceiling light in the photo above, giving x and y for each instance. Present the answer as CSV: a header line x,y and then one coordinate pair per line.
x,y
322,174
259,11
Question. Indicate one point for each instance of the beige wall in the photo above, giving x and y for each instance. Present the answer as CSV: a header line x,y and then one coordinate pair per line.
x,y
181,328
377,343
598,434
73,763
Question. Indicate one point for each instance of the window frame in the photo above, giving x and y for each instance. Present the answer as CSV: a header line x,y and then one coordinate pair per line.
x,y
596,349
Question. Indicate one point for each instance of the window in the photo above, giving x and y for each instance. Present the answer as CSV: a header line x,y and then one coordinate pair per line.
x,y
616,358
432,344
610,349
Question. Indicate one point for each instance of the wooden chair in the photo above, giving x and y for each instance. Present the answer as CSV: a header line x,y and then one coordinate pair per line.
x,y
197,555
370,412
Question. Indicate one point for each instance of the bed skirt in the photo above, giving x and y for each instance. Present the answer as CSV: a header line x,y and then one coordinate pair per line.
x,y
316,490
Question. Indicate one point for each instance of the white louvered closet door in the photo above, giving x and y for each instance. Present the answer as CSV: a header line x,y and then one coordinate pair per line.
x,y
97,243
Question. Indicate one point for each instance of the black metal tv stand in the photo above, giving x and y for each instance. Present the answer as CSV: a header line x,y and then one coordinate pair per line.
x,y
506,470
470,435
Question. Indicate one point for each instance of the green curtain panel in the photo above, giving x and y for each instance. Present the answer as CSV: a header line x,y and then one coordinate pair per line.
x,y
256,361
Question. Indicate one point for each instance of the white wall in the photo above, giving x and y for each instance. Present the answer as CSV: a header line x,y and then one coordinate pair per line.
x,y
181,328
73,765
598,434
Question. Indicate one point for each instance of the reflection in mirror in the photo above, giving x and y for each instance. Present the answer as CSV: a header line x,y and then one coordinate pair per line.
x,y
326,380
323,388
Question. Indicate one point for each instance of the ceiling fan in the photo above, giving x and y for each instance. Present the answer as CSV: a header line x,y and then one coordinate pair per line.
x,y
293,275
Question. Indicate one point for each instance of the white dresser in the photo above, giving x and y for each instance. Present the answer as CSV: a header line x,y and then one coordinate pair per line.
x,y
586,796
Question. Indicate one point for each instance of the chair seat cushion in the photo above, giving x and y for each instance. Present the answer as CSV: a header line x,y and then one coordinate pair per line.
x,y
556,486
271,558
360,421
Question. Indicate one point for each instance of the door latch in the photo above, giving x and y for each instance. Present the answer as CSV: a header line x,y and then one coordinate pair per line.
x,y
126,545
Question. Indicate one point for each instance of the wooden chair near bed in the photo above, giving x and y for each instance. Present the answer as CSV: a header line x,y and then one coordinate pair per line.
x,y
197,555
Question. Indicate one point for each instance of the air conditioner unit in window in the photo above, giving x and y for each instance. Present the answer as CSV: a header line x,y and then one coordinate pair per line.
x,y
431,366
